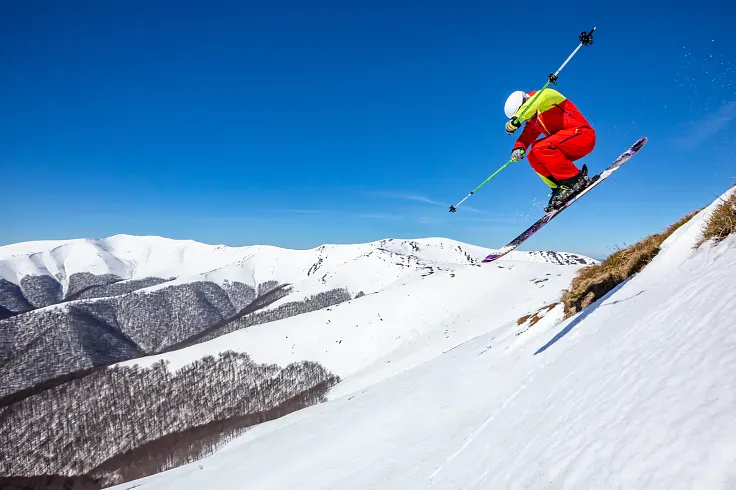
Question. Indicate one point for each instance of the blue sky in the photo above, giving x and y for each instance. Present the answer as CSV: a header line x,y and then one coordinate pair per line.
x,y
301,123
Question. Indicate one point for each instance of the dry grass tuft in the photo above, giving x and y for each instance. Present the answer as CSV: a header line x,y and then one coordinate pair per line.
x,y
594,281
535,317
721,223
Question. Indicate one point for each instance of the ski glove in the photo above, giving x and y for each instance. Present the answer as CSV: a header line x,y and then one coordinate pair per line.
x,y
512,125
518,154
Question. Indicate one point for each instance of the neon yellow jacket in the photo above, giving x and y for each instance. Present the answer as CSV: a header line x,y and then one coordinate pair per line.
x,y
547,114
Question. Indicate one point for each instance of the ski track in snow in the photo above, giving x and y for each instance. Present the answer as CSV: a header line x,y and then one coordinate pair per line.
x,y
475,434
638,392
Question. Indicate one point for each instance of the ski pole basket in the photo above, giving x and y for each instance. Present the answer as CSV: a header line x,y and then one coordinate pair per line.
x,y
586,38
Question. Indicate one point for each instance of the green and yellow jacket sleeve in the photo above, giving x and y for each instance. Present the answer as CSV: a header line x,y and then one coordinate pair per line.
x,y
546,101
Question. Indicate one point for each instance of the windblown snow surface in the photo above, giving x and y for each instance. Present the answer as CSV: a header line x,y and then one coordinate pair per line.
x,y
638,391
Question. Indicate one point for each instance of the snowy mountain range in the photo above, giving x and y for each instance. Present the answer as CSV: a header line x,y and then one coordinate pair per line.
x,y
60,266
69,306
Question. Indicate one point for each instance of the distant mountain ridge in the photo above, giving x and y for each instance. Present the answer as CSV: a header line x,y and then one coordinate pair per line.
x,y
68,306
54,270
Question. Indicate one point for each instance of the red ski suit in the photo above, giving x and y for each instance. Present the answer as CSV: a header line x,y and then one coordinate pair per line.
x,y
568,136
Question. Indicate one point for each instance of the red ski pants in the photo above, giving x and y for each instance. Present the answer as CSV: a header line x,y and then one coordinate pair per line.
x,y
553,155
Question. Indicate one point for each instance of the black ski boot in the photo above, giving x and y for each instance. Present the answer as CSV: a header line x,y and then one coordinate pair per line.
x,y
567,189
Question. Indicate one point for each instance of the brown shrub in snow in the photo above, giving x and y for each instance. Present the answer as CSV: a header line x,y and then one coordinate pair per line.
x,y
721,223
594,281
535,317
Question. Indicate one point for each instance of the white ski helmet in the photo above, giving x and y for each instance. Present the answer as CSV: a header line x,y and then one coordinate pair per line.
x,y
515,101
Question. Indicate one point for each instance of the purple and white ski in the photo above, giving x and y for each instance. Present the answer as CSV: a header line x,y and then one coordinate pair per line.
x,y
597,179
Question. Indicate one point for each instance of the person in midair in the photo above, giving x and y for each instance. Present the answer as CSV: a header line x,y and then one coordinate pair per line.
x,y
568,136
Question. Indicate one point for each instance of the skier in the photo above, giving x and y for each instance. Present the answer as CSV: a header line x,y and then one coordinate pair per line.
x,y
568,137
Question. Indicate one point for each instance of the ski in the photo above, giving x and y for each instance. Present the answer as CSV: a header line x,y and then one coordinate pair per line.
x,y
597,179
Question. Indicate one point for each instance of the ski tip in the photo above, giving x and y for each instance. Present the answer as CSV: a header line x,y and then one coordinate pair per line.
x,y
494,256
640,143
491,258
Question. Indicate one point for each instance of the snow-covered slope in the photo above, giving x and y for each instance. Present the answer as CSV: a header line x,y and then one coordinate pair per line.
x,y
410,321
637,391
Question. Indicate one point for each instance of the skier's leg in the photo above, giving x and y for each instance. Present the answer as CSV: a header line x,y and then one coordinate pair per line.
x,y
538,165
557,155
557,152
578,144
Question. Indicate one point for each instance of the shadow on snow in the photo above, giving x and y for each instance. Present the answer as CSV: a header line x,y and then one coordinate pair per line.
x,y
584,314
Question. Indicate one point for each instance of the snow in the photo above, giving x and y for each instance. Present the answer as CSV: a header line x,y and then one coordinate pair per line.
x,y
406,323
637,391
365,267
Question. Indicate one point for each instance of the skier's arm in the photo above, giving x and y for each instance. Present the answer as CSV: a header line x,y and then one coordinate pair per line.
x,y
528,136
545,101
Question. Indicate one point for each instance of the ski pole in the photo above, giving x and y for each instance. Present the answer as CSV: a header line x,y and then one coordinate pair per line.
x,y
454,208
586,39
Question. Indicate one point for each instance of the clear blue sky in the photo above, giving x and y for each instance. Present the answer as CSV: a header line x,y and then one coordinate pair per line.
x,y
301,123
